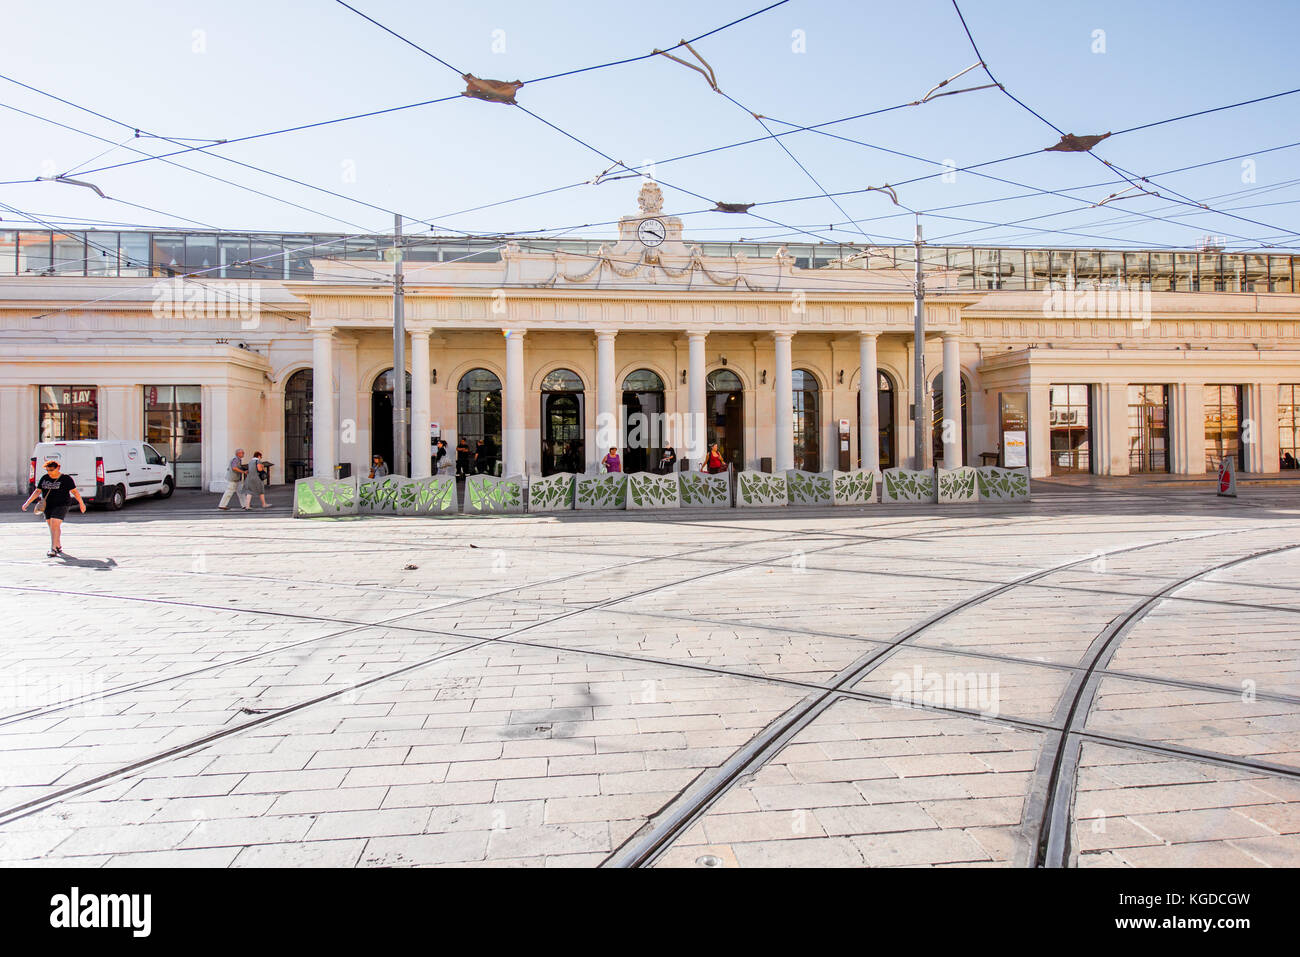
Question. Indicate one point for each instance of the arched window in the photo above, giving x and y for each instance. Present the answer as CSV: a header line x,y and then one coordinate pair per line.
x,y
297,425
937,422
381,421
563,423
885,415
478,422
725,413
643,406
807,440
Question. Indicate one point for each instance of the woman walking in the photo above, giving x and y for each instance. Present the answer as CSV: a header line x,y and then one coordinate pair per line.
x,y
57,490
255,483
612,462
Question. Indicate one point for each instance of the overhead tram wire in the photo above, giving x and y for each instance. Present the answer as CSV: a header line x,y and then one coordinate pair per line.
x,y
558,129
227,159
1129,176
1086,203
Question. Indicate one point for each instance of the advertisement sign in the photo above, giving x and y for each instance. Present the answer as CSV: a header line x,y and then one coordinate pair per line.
x,y
1013,428
1015,450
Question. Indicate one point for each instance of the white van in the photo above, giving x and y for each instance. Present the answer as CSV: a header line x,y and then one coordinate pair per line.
x,y
107,472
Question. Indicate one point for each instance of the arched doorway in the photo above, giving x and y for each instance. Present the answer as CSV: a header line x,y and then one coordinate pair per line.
x,y
478,421
885,418
381,421
297,425
936,431
563,426
724,405
807,421
643,406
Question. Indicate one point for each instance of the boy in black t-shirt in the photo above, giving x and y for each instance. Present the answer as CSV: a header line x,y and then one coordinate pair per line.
x,y
58,490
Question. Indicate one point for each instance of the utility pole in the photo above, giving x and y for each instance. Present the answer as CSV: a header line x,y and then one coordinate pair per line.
x,y
918,372
399,464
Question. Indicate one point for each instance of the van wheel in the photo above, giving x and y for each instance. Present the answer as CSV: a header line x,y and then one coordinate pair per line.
x,y
166,490
118,499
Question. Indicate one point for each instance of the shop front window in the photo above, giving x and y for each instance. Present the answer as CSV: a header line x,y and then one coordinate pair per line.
x,y
69,413
173,425
1148,428
1223,426
1288,426
1071,430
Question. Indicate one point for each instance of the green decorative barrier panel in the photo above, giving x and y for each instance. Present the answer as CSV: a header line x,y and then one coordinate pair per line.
x,y
550,493
808,488
378,496
317,497
487,493
647,490
603,490
435,495
856,487
905,485
759,488
1002,485
957,485
702,490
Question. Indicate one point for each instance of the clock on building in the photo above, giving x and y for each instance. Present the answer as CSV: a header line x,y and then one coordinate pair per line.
x,y
651,232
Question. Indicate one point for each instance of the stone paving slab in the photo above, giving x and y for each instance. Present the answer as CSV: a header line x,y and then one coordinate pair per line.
x,y
542,690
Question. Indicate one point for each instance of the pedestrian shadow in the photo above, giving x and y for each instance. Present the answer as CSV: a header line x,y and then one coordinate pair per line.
x,y
99,564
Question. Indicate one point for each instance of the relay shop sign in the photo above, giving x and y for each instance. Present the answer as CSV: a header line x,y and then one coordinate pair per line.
x,y
77,397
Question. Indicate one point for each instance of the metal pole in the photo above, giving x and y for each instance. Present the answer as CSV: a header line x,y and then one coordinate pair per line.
x,y
399,464
918,392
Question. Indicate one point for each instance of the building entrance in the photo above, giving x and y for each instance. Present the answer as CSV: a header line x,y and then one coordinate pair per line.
x,y
563,449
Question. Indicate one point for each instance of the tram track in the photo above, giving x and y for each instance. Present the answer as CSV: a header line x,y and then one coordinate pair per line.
x,y
838,690
34,805
1050,798
355,625
643,847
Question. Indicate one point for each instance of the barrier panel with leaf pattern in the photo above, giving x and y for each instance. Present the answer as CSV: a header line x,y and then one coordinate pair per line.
x,y
550,493
489,494
647,490
320,497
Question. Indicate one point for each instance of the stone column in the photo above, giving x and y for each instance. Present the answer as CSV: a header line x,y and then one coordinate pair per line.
x,y
783,457
421,443
951,424
607,433
512,428
323,430
1040,429
1256,422
696,428
1266,426
868,402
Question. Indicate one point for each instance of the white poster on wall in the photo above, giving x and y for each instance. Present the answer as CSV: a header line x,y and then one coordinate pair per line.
x,y
1013,450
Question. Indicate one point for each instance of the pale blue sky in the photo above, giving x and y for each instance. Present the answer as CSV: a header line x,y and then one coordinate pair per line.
x,y
267,65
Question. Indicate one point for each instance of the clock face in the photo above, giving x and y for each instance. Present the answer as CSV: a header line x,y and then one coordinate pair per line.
x,y
651,232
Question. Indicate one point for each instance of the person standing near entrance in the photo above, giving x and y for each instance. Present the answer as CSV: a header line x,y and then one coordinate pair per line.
x,y
612,462
462,457
668,461
57,489
236,472
378,468
713,462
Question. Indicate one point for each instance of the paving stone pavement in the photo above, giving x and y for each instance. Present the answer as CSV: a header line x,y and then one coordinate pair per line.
x,y
1095,678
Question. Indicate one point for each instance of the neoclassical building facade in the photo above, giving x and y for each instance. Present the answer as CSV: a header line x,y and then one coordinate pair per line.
x,y
542,354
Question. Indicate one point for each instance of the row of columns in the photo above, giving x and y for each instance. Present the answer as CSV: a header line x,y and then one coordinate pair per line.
x,y
325,429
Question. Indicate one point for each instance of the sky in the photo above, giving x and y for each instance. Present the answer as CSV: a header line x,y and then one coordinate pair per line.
x,y
208,71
